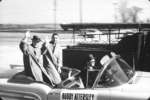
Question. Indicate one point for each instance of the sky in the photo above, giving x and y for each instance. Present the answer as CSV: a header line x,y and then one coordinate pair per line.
x,y
67,11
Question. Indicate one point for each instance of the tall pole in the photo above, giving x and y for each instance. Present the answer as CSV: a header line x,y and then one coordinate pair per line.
x,y
80,11
55,14
115,4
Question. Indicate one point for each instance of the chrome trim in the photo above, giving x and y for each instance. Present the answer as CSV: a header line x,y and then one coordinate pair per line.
x,y
19,94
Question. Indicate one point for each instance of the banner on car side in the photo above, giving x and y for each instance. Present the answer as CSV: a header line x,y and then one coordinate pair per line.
x,y
77,96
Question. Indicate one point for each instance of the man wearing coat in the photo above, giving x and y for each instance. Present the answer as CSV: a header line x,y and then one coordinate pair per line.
x,y
52,59
32,57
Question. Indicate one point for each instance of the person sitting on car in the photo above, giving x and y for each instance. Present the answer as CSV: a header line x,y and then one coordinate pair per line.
x,y
32,56
32,59
51,59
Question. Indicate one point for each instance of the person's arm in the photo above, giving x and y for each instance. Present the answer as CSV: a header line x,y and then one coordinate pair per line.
x,y
43,49
59,59
45,45
47,48
24,43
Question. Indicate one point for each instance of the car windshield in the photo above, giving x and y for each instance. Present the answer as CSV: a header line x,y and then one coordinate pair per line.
x,y
115,73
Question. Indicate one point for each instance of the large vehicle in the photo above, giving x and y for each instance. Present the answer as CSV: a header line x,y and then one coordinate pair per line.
x,y
115,80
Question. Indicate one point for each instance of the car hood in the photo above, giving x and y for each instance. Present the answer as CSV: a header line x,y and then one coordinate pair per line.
x,y
139,83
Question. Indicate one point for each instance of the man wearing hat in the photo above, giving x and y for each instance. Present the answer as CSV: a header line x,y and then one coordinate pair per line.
x,y
32,58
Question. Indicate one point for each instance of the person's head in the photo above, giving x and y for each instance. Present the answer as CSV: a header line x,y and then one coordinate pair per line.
x,y
36,41
91,60
55,38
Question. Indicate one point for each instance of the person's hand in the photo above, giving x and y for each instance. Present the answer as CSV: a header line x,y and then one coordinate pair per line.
x,y
27,34
59,69
46,41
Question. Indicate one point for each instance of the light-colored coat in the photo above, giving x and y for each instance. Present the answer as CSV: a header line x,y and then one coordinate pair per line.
x,y
32,60
51,62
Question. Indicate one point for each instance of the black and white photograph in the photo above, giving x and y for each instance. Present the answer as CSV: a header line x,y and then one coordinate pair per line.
x,y
74,49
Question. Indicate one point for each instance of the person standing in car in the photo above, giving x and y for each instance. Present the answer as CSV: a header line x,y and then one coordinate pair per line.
x,y
56,50
32,56
52,59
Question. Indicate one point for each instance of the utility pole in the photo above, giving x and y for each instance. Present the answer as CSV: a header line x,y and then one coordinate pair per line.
x,y
115,4
80,11
55,14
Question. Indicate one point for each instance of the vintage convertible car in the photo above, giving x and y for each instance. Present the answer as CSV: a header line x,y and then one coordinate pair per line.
x,y
116,80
